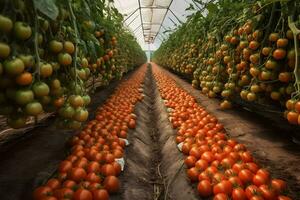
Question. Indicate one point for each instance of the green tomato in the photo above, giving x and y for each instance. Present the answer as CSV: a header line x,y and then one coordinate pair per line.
x,y
14,67
67,112
81,115
24,96
22,31
28,60
40,89
34,108
6,24
4,50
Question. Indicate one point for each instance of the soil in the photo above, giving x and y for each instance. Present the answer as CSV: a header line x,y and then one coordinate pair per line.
x,y
154,167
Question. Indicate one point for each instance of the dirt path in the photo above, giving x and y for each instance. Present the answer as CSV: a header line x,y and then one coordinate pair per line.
x,y
154,167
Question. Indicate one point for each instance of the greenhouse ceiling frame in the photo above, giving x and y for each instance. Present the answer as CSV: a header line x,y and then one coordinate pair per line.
x,y
149,35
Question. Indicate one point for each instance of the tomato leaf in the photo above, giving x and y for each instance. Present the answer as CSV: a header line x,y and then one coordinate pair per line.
x,y
47,7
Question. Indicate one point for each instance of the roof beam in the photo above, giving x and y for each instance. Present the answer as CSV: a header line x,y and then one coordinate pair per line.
x,y
163,19
154,7
175,16
133,20
130,15
141,17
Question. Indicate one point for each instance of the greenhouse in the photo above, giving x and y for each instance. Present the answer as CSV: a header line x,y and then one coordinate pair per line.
x,y
149,100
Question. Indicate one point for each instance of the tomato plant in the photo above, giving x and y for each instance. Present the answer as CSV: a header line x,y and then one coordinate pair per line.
x,y
248,58
57,50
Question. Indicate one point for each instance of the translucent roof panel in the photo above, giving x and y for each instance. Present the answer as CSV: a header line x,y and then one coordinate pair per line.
x,y
149,19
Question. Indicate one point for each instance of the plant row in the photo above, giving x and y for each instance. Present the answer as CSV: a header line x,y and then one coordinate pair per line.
x,y
222,167
54,53
96,159
241,51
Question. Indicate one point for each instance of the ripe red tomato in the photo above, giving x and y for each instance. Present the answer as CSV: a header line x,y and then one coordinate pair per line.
x,y
282,197
65,166
252,190
41,192
238,194
190,161
201,165
193,173
208,156
227,163
268,193
246,156
111,184
279,185
100,194
263,172
252,167
221,196
259,180
77,174
204,188
245,175
82,194
223,187
235,181
237,167
53,183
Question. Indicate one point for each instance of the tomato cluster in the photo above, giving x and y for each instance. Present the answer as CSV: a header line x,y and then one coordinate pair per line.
x,y
90,171
51,65
250,60
221,166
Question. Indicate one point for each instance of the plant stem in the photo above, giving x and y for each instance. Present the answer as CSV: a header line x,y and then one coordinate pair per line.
x,y
76,39
36,43
296,70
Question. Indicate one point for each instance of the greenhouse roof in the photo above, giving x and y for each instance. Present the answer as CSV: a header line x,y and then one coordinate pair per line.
x,y
150,20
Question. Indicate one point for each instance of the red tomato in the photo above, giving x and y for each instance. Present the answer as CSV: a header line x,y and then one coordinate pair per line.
x,y
238,194
100,194
69,184
227,163
221,196
49,198
246,156
82,194
77,174
235,181
201,165
268,193
257,197
279,185
41,192
190,161
208,156
263,172
223,187
245,175
53,183
259,180
281,197
111,184
252,167
252,190
237,167
193,173
204,188
65,166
